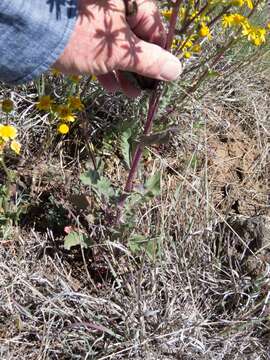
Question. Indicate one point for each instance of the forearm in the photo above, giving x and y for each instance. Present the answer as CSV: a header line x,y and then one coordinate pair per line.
x,y
33,34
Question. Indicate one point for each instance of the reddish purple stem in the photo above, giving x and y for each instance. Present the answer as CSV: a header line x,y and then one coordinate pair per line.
x,y
139,149
152,109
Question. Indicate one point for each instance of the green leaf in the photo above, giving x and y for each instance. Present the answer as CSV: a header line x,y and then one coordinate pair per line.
x,y
104,187
90,177
152,185
125,145
213,73
74,239
138,243
194,162
152,248
198,125
159,138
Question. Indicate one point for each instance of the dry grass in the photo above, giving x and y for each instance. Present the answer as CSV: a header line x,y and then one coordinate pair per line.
x,y
205,297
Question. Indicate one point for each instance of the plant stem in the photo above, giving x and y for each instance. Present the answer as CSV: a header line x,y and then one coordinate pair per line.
x,y
8,184
153,102
152,109
6,170
172,25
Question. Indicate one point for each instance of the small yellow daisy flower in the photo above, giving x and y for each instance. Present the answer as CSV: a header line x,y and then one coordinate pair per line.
x,y
75,103
65,113
44,103
235,20
7,132
15,146
7,105
167,13
196,48
204,31
255,34
63,128
238,19
187,54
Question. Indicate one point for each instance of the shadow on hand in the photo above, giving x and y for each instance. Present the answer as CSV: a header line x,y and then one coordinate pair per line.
x,y
111,40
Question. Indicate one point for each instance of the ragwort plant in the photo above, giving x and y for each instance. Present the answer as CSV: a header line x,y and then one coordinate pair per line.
x,y
199,33
192,28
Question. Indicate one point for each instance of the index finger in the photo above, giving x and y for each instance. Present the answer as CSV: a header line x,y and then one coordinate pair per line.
x,y
146,21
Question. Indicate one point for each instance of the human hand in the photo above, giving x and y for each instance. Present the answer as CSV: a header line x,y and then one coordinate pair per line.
x,y
106,43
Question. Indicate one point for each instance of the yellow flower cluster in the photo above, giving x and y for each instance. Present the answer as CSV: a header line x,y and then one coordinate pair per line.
x,y
255,34
7,135
204,31
190,44
64,113
197,18
233,20
188,47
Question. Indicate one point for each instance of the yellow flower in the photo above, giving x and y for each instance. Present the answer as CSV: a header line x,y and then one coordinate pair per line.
x,y
75,103
187,54
238,19
63,128
44,103
15,146
93,78
255,34
249,3
204,31
65,113
167,13
196,48
7,132
7,105
188,43
234,20
227,21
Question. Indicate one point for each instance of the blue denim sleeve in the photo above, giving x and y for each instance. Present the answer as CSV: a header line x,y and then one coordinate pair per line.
x,y
33,34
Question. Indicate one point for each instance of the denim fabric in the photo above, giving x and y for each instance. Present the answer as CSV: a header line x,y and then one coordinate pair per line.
x,y
33,34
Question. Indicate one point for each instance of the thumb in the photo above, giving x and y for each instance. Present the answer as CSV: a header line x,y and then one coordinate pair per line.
x,y
148,59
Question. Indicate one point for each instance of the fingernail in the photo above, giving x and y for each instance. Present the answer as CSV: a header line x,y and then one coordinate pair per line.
x,y
171,70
